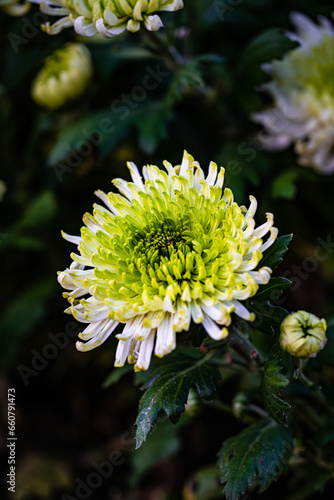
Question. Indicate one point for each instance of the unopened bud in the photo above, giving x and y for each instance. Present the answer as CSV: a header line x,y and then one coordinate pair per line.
x,y
303,334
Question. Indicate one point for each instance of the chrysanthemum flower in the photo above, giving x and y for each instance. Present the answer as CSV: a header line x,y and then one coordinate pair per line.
x,y
303,334
167,250
109,18
65,76
14,7
301,86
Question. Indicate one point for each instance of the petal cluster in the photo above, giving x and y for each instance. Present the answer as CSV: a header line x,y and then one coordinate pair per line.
x,y
303,112
303,334
14,7
109,18
64,76
172,248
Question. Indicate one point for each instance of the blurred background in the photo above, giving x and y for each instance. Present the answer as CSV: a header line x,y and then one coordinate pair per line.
x,y
67,417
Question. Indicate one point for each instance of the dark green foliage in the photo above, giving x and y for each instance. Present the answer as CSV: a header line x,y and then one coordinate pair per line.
x,y
167,390
274,255
273,383
258,455
273,44
261,304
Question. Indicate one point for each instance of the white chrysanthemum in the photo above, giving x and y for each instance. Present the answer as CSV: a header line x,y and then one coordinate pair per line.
x,y
302,88
109,18
168,250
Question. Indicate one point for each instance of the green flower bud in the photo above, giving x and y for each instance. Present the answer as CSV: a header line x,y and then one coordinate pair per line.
x,y
193,406
14,7
109,18
65,76
239,404
303,334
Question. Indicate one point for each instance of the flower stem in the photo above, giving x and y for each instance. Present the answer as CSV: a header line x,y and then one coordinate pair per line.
x,y
172,58
316,391
243,346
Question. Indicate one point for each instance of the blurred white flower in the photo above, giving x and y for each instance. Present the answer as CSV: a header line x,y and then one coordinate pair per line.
x,y
14,7
302,89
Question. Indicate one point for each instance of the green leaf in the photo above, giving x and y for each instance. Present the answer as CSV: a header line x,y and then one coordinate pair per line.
x,y
273,383
274,255
26,310
162,443
284,186
259,453
104,129
38,214
190,75
40,211
168,388
266,312
273,289
272,44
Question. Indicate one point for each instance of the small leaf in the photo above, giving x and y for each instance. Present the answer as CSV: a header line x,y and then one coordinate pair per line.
x,y
162,443
273,383
260,452
266,312
274,255
273,289
104,129
189,76
168,391
284,186
23,313
40,211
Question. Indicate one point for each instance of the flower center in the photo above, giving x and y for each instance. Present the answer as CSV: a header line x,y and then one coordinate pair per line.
x,y
161,240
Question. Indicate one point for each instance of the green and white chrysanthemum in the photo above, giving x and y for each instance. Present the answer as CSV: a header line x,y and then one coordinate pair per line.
x,y
168,250
14,7
109,18
64,76
301,86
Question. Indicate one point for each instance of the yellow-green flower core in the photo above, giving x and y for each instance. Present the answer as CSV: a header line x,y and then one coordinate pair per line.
x,y
168,250
303,334
109,18
65,76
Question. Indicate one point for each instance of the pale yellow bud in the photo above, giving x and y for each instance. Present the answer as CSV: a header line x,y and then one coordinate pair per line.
x,y
303,334
64,77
